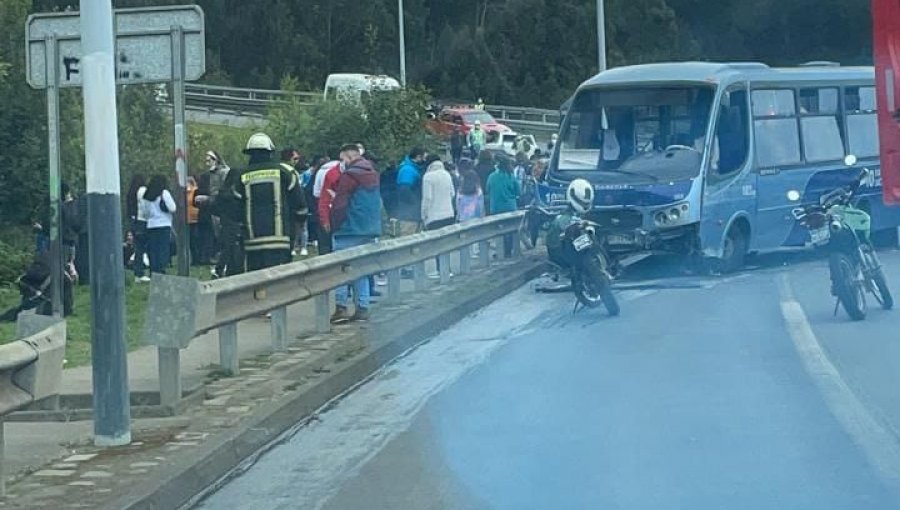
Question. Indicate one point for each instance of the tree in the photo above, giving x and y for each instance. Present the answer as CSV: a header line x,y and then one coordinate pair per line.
x,y
388,123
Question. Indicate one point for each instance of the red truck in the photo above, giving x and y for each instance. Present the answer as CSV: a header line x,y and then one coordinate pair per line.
x,y
450,118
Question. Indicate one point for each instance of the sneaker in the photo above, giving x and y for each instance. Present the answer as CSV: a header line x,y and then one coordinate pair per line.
x,y
143,279
293,253
304,252
361,315
381,281
215,273
340,315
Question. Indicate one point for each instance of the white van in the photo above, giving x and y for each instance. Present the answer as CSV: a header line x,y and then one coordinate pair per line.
x,y
353,85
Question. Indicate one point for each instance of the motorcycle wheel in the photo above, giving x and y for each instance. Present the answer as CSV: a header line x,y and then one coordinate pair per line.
x,y
881,291
844,281
592,287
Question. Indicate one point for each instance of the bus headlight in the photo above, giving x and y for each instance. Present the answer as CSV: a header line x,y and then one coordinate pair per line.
x,y
671,216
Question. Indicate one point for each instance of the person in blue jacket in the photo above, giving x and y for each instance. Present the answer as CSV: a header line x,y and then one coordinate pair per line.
x,y
408,208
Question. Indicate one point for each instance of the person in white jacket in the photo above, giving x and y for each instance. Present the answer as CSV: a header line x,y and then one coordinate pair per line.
x,y
158,206
438,195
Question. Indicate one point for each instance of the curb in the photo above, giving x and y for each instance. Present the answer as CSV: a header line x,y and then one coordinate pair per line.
x,y
215,460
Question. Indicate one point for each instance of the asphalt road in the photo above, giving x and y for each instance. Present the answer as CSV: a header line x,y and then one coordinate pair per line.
x,y
743,392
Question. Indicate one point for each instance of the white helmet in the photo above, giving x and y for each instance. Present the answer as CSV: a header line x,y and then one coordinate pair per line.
x,y
580,195
260,141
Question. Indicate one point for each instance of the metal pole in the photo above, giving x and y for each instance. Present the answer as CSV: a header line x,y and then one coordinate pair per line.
x,y
181,170
112,412
601,35
402,44
56,252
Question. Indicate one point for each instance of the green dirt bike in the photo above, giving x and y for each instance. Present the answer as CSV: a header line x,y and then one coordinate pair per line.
x,y
843,231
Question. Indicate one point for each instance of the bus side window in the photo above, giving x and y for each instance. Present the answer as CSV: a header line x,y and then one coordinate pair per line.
x,y
819,126
732,140
862,121
775,127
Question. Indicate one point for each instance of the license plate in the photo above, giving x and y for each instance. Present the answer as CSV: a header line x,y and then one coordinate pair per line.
x,y
820,235
582,242
619,239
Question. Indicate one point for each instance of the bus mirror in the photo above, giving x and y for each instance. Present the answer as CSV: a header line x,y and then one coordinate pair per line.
x,y
793,195
850,160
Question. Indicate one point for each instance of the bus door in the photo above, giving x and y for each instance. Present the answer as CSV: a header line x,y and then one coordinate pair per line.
x,y
886,25
729,187
778,165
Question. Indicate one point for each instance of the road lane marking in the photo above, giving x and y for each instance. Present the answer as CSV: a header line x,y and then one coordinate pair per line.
x,y
877,441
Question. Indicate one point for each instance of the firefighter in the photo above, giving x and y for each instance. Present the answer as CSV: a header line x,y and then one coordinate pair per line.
x,y
272,202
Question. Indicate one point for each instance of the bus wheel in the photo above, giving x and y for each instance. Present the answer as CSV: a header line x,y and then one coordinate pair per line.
x,y
734,253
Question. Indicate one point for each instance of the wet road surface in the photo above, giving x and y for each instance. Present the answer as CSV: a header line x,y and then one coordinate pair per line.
x,y
735,392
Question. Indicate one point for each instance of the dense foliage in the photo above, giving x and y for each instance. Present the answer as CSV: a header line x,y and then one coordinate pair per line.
x,y
525,52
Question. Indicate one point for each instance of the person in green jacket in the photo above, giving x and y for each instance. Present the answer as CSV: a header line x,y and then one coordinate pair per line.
x,y
503,190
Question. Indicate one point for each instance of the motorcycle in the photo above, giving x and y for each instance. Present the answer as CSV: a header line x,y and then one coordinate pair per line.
x,y
582,252
843,230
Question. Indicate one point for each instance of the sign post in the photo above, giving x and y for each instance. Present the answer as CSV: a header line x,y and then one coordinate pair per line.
x,y
96,50
183,233
55,226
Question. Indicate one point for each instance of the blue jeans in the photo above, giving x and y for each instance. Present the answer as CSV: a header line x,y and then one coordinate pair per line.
x,y
159,249
361,286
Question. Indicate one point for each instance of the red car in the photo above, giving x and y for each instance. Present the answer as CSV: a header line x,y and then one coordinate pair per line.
x,y
449,118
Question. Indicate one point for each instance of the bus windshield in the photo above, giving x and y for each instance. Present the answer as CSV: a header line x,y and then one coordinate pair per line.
x,y
636,135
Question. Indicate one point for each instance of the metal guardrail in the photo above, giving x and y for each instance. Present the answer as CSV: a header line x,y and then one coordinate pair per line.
x,y
180,308
242,101
30,368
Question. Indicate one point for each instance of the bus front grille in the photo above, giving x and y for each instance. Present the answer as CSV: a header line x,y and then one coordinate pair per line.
x,y
622,219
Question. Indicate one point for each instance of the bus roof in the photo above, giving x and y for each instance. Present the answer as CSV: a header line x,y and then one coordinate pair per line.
x,y
714,73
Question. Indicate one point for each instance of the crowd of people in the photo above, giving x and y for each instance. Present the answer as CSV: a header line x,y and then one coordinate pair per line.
x,y
281,205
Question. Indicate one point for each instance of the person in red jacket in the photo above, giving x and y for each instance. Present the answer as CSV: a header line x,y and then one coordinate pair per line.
x,y
329,190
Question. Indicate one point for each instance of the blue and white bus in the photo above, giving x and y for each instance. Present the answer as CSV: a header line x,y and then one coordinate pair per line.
x,y
698,158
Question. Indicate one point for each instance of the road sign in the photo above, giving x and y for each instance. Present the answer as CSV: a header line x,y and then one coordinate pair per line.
x,y
143,45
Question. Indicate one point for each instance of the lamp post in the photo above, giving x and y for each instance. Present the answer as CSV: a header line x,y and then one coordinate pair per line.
x,y
402,44
601,36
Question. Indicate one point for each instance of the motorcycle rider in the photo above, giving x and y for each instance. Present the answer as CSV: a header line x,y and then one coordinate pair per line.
x,y
580,200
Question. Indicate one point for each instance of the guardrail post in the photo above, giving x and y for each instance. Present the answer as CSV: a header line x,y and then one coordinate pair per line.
x,y
2,458
421,282
444,259
228,349
484,252
279,329
323,313
517,244
465,260
169,375
394,282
